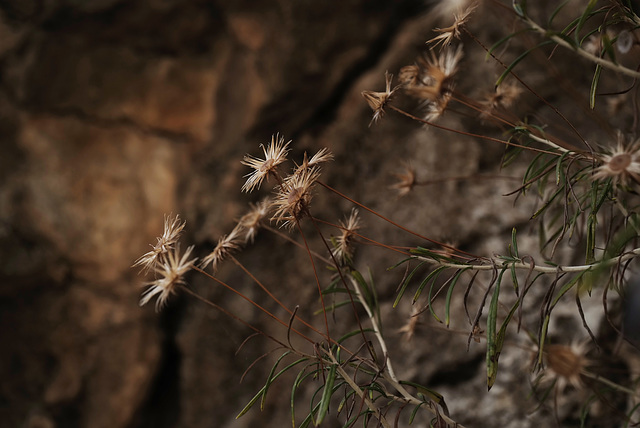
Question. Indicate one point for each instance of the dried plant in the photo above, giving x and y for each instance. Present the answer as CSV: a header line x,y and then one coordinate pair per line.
x,y
587,199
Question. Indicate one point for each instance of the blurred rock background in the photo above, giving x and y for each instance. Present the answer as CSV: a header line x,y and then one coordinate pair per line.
x,y
116,112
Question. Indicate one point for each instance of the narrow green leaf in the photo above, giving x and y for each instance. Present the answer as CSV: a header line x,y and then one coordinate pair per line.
x,y
505,39
503,328
414,412
354,333
406,283
594,86
420,251
344,400
520,6
364,288
568,286
307,421
514,278
433,395
571,42
326,394
492,346
301,377
333,307
270,380
559,169
545,324
450,293
515,62
607,44
547,203
433,275
556,11
400,263
583,18
514,243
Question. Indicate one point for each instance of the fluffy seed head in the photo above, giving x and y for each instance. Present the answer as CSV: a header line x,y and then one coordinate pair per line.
x,y
172,230
621,165
447,34
274,154
378,100
321,156
343,244
226,245
566,363
251,222
431,80
171,273
294,196
409,328
502,98
406,181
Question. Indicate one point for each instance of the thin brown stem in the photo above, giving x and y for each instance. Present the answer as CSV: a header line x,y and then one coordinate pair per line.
x,y
342,195
275,299
315,273
471,134
227,286
229,314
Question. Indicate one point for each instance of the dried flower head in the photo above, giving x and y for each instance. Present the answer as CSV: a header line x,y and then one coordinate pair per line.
x,y
172,230
406,181
437,72
294,196
171,273
432,81
622,164
435,109
321,156
226,245
409,328
409,75
566,364
502,98
378,100
447,34
274,155
251,222
343,245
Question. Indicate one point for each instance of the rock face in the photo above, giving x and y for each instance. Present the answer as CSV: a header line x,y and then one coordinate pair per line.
x,y
114,113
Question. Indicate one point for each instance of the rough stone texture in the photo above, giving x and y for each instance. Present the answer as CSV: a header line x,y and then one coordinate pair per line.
x,y
113,113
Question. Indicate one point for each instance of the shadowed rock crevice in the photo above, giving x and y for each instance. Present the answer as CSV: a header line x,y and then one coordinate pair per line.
x,y
161,408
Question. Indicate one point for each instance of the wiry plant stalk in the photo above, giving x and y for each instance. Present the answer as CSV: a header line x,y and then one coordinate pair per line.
x,y
493,262
583,53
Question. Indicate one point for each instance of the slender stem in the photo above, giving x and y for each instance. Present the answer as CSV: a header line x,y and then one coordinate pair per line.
x,y
266,290
227,286
376,329
229,314
315,273
413,400
583,53
544,269
370,404
607,382
294,242
342,195
549,143
470,134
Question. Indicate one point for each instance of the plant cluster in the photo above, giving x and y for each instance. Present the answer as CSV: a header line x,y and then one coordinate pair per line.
x,y
587,193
